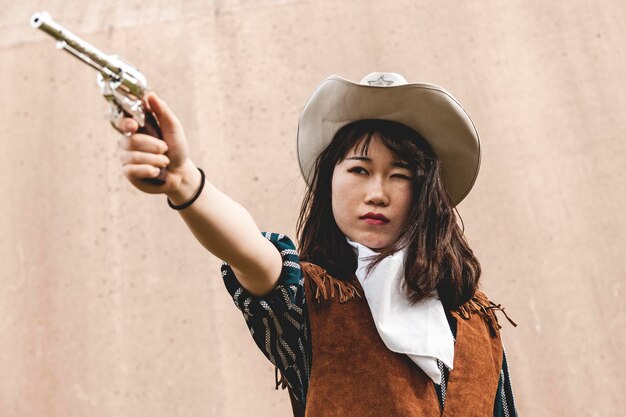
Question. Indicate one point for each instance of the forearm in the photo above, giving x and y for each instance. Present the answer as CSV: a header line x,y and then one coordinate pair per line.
x,y
228,231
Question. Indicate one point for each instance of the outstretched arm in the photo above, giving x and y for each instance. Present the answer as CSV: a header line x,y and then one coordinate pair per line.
x,y
221,225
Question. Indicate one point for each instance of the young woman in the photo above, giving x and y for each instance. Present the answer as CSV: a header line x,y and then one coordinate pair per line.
x,y
378,312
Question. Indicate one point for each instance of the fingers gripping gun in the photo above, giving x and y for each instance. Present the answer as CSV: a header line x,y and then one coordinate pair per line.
x,y
121,84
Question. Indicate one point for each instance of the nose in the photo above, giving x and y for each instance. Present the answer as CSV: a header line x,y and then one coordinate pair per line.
x,y
376,193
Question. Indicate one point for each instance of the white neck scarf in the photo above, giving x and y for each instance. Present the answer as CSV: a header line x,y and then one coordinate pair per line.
x,y
421,331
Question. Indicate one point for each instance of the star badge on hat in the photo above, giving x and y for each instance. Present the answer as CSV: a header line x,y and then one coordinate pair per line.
x,y
380,82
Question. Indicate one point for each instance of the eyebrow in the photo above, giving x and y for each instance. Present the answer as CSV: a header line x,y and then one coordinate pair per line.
x,y
395,163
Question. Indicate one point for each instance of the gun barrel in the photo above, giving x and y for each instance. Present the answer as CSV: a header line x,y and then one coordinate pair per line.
x,y
75,45
111,67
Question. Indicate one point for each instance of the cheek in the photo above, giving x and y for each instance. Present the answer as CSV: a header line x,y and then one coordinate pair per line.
x,y
336,193
405,201
342,192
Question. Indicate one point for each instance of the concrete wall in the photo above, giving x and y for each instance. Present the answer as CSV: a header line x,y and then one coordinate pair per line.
x,y
110,307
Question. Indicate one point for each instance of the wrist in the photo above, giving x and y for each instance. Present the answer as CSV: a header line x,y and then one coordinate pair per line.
x,y
189,184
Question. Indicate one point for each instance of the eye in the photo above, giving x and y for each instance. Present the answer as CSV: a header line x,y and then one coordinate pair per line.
x,y
402,176
358,170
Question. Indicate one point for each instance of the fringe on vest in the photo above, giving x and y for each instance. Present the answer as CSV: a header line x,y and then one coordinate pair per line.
x,y
325,285
486,308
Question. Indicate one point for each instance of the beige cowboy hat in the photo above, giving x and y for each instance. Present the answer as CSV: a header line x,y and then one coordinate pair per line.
x,y
426,108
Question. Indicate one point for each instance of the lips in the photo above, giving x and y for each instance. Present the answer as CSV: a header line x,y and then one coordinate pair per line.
x,y
377,217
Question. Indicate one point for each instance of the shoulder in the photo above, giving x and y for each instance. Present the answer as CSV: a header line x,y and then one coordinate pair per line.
x,y
480,305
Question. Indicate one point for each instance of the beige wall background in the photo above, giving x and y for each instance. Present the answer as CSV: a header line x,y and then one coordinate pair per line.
x,y
110,307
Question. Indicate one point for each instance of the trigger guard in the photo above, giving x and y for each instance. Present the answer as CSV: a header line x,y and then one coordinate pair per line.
x,y
115,113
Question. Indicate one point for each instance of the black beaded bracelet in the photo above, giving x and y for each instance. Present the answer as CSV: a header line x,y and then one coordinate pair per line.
x,y
194,198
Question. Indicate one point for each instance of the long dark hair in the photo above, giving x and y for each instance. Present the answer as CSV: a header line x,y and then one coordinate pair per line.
x,y
438,256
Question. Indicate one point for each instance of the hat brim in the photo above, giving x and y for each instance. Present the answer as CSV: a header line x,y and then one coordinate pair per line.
x,y
426,108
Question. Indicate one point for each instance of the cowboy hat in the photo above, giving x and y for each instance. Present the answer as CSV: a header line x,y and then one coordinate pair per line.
x,y
426,108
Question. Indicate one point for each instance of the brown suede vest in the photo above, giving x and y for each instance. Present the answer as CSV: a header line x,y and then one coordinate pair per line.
x,y
354,374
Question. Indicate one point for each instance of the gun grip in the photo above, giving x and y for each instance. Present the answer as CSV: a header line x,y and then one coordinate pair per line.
x,y
152,128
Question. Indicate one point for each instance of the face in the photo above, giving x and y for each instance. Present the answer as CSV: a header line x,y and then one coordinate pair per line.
x,y
371,196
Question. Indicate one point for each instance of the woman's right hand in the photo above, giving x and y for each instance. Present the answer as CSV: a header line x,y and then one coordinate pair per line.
x,y
142,155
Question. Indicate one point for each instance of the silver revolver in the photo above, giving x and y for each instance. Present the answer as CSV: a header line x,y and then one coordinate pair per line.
x,y
121,84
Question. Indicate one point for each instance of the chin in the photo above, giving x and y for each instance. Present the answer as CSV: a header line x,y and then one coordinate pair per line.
x,y
374,243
